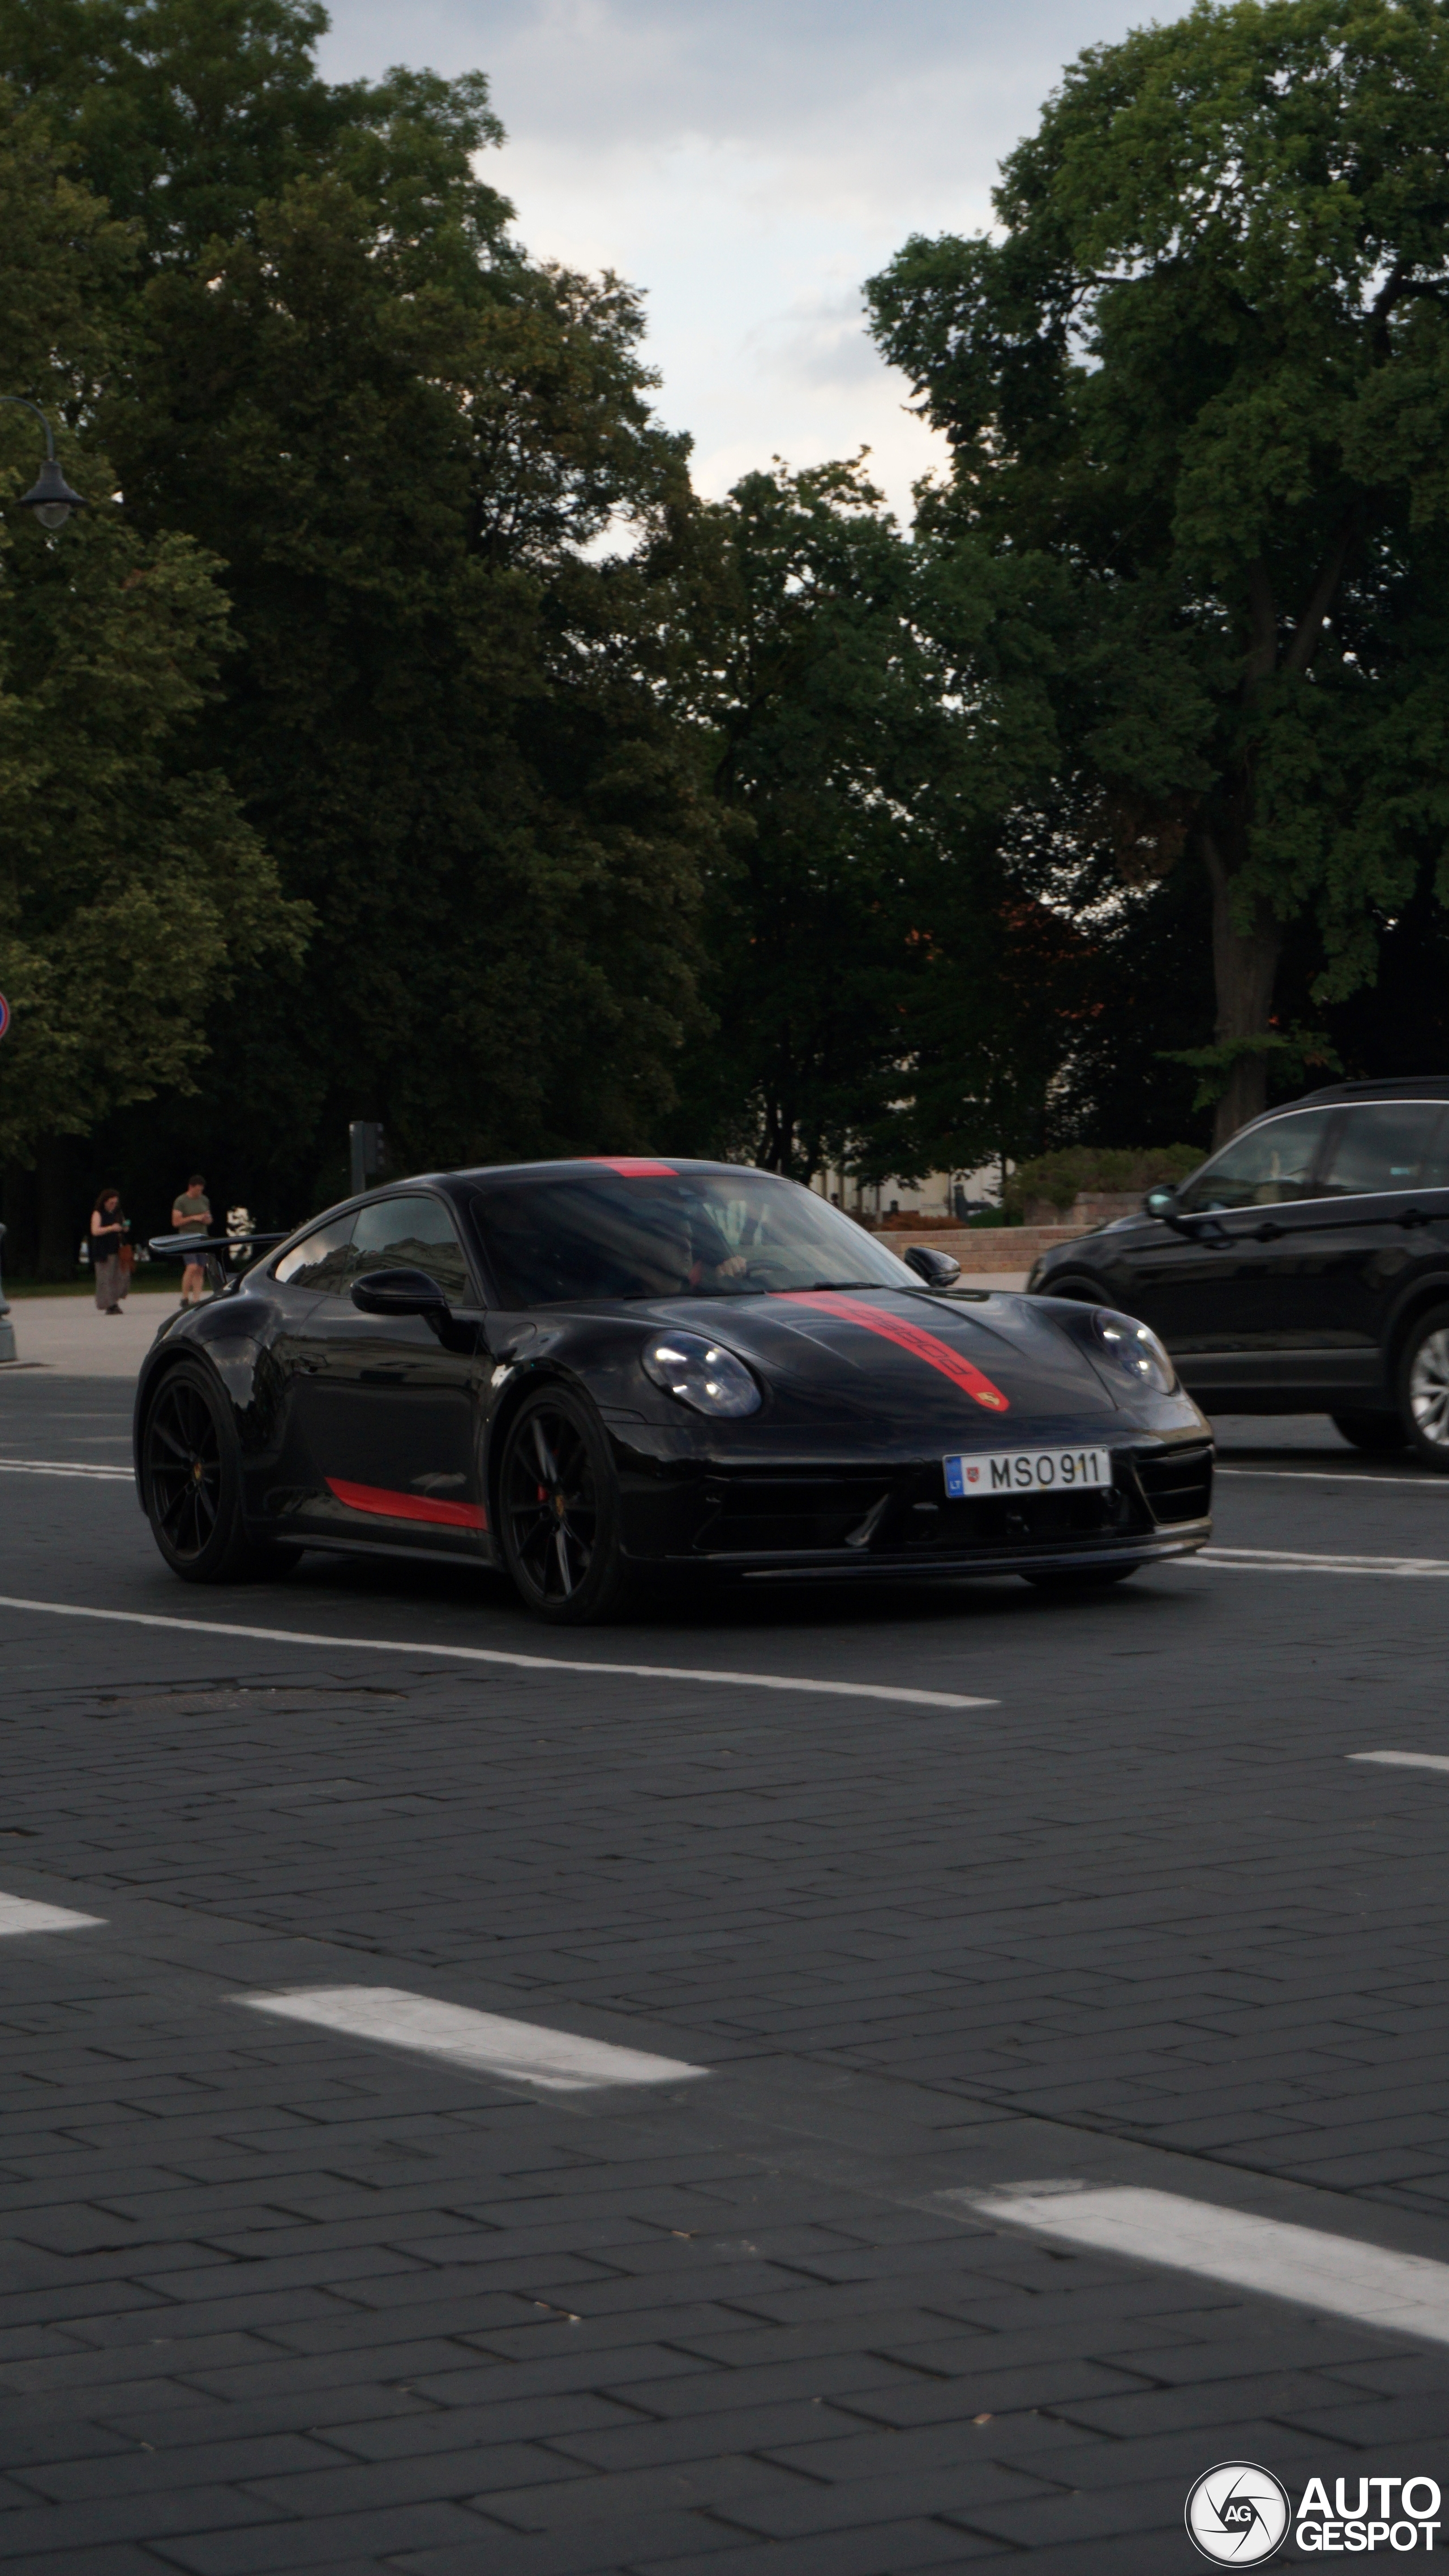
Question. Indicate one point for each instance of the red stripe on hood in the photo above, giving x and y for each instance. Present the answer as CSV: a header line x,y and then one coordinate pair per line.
x,y
907,1337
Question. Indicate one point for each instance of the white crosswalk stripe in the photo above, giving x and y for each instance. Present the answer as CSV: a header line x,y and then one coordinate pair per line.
x,y
492,2044
1401,2293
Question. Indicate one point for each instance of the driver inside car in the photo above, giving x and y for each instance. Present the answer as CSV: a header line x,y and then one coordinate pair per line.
x,y
687,1254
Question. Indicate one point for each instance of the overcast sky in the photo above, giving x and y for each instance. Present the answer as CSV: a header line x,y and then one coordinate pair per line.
x,y
748,163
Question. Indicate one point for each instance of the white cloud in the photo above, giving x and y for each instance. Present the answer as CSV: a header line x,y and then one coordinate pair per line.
x,y
749,163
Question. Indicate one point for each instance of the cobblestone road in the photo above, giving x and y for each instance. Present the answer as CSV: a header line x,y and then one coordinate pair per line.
x,y
281,2299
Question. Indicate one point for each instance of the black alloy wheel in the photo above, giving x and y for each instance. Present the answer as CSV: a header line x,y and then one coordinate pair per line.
x,y
191,1480
1377,1433
559,1511
1424,1389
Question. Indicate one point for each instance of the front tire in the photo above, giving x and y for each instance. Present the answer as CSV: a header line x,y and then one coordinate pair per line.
x,y
559,1517
1424,1389
191,1480
1376,1433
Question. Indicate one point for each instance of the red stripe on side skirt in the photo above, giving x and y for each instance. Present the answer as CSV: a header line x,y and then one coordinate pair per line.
x,y
407,1507
907,1337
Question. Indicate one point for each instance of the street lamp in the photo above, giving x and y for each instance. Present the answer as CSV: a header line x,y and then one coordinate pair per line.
x,y
49,496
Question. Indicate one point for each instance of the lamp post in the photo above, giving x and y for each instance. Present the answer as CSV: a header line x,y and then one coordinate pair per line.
x,y
49,496
52,500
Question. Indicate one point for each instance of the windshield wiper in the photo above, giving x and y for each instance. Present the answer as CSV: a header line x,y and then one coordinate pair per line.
x,y
816,1285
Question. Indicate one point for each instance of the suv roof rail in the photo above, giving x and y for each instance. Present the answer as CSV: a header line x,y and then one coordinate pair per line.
x,y
1388,1085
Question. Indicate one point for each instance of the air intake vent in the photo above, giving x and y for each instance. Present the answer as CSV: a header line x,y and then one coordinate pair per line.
x,y
1178,1483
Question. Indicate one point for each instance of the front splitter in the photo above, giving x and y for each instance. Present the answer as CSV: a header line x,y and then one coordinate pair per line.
x,y
841,1564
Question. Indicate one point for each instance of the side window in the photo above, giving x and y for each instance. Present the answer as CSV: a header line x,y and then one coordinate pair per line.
x,y
324,1260
1263,1168
1387,1145
412,1234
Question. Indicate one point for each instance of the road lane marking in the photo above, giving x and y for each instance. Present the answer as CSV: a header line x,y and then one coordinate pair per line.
x,y
1405,1761
23,1914
1425,1484
1274,1560
65,1467
1400,2293
519,2051
496,1655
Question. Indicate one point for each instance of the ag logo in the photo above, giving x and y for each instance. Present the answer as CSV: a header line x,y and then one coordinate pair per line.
x,y
1237,2514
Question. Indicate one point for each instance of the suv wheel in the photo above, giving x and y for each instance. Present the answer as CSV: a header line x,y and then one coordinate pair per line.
x,y
1372,1431
1424,1389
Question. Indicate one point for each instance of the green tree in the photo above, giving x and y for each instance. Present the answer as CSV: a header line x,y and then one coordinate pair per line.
x,y
428,465
1203,367
184,115
442,720
886,995
810,690
131,889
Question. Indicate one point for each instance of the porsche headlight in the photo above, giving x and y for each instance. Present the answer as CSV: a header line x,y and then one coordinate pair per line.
x,y
1136,1351
703,1376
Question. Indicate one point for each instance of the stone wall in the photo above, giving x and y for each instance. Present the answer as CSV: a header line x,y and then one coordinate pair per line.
x,y
1094,1207
988,1247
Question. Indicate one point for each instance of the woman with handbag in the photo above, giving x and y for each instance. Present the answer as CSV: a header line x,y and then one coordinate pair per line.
x,y
109,1229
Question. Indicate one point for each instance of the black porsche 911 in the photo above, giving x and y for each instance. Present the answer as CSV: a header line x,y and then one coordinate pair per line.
x,y
586,1373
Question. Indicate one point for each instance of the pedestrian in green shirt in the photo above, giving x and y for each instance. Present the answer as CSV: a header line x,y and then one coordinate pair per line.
x,y
192,1215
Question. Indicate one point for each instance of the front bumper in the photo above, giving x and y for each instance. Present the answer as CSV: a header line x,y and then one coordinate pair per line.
x,y
893,1517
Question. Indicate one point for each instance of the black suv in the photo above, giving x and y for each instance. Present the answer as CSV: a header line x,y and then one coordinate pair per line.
x,y
1305,1269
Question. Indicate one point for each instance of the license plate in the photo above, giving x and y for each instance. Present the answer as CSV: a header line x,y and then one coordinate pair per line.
x,y
1027,1471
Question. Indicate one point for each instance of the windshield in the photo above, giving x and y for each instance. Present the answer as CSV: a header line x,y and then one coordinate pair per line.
x,y
687,1234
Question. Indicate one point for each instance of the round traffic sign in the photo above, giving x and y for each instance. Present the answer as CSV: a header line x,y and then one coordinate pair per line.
x,y
4,1015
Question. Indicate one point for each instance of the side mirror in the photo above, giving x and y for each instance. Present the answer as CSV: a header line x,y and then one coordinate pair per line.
x,y
938,1269
399,1292
1161,1201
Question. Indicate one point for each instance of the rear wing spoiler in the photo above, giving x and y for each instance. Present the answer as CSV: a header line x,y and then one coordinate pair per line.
x,y
185,1247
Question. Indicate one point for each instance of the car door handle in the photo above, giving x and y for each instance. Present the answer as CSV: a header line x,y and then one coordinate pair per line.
x,y
1268,1232
1414,1216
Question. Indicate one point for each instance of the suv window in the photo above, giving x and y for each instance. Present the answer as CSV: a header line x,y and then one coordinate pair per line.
x,y
1263,1168
412,1234
322,1260
1388,1145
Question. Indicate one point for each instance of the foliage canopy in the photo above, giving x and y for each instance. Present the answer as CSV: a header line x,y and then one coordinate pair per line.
x,y
1204,368
132,890
422,461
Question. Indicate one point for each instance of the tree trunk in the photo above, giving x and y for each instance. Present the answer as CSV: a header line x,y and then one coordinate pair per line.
x,y
1245,964
59,1218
